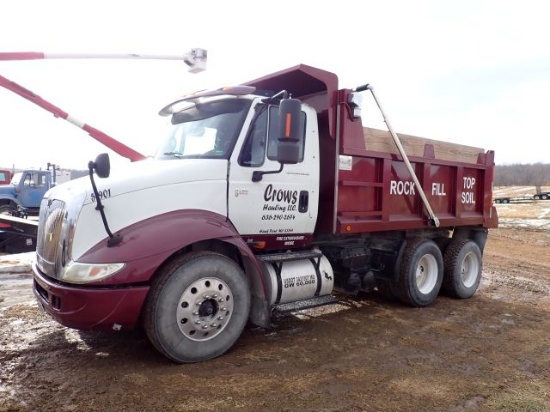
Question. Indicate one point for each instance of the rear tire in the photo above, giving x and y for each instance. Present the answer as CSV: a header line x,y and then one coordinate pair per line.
x,y
544,197
197,307
421,273
463,267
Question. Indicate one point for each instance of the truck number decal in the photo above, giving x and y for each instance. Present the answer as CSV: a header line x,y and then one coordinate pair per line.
x,y
103,194
345,162
278,217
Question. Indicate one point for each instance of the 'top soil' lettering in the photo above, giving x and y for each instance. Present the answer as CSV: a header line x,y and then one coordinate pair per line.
x,y
467,197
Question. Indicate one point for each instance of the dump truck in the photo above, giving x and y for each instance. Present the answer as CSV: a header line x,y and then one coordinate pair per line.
x,y
269,196
5,176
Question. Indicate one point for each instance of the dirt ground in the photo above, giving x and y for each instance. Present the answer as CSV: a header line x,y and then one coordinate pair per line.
x,y
487,353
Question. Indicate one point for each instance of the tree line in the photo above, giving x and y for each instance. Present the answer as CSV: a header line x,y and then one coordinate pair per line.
x,y
534,174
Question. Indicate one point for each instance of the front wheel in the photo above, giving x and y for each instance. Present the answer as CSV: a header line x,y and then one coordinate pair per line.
x,y
463,266
197,307
421,273
7,210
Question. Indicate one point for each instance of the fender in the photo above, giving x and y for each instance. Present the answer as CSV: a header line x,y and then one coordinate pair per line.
x,y
149,243
10,199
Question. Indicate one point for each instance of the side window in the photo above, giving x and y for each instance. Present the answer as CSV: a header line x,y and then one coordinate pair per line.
x,y
273,133
265,127
28,180
253,151
40,180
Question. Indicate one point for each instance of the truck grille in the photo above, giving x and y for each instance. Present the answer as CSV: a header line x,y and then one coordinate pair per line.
x,y
50,244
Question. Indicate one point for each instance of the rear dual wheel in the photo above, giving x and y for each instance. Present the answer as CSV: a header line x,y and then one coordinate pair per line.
x,y
420,275
424,272
463,266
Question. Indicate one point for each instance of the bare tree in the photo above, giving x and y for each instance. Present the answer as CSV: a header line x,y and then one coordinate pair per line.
x,y
535,174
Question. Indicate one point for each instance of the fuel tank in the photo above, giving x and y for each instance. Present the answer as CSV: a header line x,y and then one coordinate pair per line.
x,y
300,279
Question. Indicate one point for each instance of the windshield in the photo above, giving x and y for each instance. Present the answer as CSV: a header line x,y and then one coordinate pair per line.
x,y
16,178
206,129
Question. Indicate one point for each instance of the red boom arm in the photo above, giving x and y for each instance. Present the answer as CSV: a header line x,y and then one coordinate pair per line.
x,y
101,137
195,59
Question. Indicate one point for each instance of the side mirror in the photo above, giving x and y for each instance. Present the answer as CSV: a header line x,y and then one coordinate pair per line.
x,y
290,131
101,165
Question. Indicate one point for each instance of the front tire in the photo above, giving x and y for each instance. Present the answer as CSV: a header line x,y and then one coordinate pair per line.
x,y
421,273
197,307
7,210
463,267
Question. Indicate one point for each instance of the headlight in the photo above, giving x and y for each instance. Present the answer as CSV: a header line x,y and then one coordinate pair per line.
x,y
89,272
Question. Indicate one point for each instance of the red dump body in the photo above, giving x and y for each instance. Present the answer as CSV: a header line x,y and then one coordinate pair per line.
x,y
378,193
365,184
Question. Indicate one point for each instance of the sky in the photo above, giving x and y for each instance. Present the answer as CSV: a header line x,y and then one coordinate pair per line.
x,y
473,72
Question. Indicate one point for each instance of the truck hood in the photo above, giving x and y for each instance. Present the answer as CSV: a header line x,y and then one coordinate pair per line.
x,y
142,175
136,193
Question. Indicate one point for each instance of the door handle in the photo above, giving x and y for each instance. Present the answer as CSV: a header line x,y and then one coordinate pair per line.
x,y
303,201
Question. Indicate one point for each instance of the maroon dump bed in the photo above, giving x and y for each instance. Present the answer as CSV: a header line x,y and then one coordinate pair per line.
x,y
375,190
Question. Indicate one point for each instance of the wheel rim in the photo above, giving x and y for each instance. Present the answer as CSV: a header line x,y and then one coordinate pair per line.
x,y
204,309
469,270
426,274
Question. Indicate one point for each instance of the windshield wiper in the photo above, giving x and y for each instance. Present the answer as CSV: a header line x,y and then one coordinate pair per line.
x,y
174,154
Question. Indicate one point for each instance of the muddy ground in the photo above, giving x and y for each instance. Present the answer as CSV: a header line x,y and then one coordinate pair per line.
x,y
488,353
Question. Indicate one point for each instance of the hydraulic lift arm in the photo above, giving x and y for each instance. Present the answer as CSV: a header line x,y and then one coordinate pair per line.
x,y
195,59
434,221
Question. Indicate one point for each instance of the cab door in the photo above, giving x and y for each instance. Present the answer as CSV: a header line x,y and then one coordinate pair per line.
x,y
281,203
32,189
